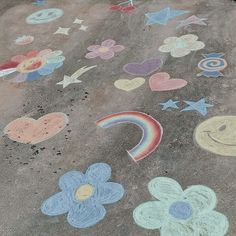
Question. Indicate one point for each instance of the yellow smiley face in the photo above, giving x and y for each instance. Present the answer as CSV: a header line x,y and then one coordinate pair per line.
x,y
31,64
217,135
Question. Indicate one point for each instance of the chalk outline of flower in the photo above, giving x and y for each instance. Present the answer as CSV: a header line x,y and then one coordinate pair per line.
x,y
199,217
52,61
87,212
105,51
181,46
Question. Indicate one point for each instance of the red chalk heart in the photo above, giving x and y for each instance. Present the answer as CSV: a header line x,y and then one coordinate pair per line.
x,y
162,82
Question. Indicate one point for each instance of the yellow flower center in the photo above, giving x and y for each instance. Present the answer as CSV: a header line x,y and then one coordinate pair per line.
x,y
31,64
84,192
103,49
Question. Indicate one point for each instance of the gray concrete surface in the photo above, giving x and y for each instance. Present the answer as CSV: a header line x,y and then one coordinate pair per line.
x,y
29,174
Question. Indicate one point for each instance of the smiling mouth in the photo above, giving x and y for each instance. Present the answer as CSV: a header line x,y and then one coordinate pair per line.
x,y
217,141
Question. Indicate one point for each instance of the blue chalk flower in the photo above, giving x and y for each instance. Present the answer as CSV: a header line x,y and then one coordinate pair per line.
x,y
181,213
83,196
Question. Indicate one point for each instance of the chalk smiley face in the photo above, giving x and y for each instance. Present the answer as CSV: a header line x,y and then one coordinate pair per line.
x,y
44,16
217,135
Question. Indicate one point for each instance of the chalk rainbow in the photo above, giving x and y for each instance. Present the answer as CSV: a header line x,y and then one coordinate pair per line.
x,y
152,131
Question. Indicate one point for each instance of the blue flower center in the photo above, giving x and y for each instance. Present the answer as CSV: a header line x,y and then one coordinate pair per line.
x,y
181,210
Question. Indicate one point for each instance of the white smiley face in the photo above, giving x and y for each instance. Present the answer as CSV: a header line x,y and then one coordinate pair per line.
x,y
44,16
217,135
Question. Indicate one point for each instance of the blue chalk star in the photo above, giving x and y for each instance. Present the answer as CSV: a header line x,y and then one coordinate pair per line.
x,y
162,17
200,106
39,3
169,104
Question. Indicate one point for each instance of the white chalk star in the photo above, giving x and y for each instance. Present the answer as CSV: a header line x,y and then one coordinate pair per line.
x,y
78,21
83,27
73,79
61,30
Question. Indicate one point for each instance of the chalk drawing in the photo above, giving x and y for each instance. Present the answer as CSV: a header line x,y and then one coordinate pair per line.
x,y
105,51
32,65
144,68
24,40
127,6
151,128
30,131
62,30
39,2
181,46
169,104
192,20
162,82
217,135
129,85
44,16
74,78
186,213
83,27
82,196
78,21
212,64
163,16
199,106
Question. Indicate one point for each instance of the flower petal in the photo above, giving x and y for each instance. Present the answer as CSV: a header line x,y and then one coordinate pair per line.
x,y
194,46
8,65
33,76
212,223
99,172
56,205
45,52
18,58
93,47
109,192
150,215
165,189
56,65
46,69
7,71
108,43
117,48
189,37
170,40
71,180
180,52
56,59
33,53
91,55
107,55
55,53
201,198
84,215
173,228
166,48
19,78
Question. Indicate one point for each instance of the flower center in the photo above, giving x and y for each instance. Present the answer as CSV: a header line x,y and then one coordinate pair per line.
x,y
84,192
180,43
181,210
31,64
103,49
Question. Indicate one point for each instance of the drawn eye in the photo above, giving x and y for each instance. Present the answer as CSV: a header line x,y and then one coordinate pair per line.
x,y
222,127
50,13
40,14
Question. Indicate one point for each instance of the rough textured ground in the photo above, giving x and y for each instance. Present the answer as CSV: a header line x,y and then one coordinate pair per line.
x,y
29,174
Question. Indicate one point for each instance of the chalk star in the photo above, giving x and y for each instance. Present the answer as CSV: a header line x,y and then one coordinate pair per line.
x,y
78,21
200,106
73,79
83,27
61,30
169,104
162,17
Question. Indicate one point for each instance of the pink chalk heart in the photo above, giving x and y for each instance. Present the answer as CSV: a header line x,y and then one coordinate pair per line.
x,y
31,131
162,82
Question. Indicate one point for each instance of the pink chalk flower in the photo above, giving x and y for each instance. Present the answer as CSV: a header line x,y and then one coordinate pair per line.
x,y
105,51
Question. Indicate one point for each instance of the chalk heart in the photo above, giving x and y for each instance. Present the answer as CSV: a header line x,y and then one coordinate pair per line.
x,y
144,68
162,82
31,131
128,85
